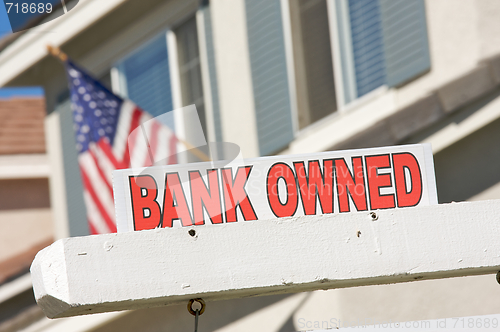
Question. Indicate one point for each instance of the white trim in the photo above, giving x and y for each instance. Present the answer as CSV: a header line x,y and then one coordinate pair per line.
x,y
367,98
114,73
205,75
15,287
173,63
26,166
175,84
287,38
335,48
342,27
119,81
357,116
57,184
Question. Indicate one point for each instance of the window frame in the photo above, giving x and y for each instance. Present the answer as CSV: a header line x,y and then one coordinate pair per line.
x,y
342,61
119,85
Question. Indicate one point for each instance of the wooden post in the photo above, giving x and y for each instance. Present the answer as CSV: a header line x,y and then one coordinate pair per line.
x,y
158,267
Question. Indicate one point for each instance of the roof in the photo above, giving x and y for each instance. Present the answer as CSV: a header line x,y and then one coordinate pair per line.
x,y
22,125
19,264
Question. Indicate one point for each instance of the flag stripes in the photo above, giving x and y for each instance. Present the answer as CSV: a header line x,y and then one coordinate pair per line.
x,y
111,133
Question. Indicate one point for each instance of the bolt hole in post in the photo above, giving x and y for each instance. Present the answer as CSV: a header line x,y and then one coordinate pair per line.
x,y
374,216
192,232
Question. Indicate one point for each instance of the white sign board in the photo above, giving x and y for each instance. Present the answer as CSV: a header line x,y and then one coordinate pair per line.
x,y
336,182
133,270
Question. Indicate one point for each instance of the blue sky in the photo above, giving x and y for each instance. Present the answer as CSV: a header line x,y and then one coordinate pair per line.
x,y
24,91
11,92
4,21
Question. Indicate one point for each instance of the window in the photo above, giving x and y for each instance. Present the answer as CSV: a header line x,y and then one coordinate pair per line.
x,y
168,64
313,61
189,68
380,42
270,75
144,77
367,45
340,49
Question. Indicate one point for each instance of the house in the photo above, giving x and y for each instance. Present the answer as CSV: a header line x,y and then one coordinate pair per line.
x,y
286,77
26,223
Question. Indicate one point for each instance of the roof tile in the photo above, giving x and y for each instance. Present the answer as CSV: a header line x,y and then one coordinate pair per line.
x,y
21,125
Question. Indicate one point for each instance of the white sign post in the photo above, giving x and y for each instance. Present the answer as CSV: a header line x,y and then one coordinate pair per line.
x,y
284,251
158,267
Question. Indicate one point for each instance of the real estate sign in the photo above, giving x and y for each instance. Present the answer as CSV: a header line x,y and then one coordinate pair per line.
x,y
335,182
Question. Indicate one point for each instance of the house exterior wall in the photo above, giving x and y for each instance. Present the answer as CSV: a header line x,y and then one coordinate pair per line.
x,y
233,73
26,223
24,190
460,37
466,135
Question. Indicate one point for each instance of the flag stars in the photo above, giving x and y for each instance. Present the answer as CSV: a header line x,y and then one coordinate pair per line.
x,y
95,110
74,73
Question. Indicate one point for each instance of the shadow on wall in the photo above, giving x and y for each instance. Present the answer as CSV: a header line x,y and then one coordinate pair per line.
x,y
469,166
176,318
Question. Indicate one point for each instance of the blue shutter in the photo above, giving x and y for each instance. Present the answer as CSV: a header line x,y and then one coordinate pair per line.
x,y
147,76
212,72
269,75
405,39
367,45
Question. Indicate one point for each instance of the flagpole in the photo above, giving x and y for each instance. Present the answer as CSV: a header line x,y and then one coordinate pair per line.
x,y
194,150
56,52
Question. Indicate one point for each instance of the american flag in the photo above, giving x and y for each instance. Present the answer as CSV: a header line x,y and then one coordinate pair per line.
x,y
106,139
